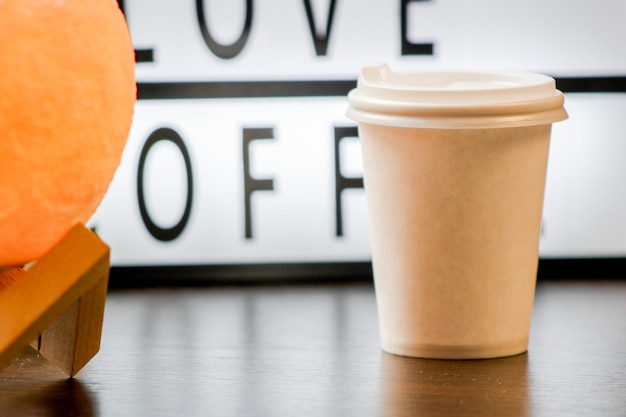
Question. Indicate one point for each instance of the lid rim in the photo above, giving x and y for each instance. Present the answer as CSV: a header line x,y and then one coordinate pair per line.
x,y
454,98
429,122
377,105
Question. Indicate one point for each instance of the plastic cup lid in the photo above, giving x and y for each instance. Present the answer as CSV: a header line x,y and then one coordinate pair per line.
x,y
454,100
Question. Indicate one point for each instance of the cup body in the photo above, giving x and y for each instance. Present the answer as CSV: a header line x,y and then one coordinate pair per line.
x,y
455,217
455,204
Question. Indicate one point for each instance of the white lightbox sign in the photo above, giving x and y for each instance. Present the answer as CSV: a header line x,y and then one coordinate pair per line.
x,y
240,152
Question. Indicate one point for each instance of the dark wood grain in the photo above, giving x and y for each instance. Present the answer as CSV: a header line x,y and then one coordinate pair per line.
x,y
314,351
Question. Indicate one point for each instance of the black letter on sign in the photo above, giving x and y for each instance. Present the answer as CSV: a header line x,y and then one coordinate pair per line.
x,y
341,182
141,55
253,184
224,51
410,48
320,41
164,234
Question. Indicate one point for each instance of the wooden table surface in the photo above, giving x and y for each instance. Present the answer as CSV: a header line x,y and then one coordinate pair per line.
x,y
314,351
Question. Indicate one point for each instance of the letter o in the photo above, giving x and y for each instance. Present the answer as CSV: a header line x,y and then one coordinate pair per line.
x,y
160,233
220,50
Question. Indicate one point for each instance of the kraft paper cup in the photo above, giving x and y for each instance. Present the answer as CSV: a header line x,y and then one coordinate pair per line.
x,y
454,172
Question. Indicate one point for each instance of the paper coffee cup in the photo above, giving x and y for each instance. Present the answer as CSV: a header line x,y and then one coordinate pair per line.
x,y
454,171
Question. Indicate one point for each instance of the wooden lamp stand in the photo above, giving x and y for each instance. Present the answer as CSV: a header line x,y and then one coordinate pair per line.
x,y
56,304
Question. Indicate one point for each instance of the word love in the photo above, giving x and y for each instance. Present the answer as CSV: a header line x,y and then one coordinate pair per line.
x,y
320,37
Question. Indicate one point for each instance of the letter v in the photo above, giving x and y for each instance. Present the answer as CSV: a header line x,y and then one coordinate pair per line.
x,y
320,41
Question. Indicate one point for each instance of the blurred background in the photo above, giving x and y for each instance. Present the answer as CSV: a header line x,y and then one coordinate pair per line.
x,y
241,164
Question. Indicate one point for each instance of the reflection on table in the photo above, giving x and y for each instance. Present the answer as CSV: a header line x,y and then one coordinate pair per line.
x,y
314,350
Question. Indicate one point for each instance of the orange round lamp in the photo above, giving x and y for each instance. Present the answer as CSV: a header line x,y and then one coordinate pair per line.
x,y
67,94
